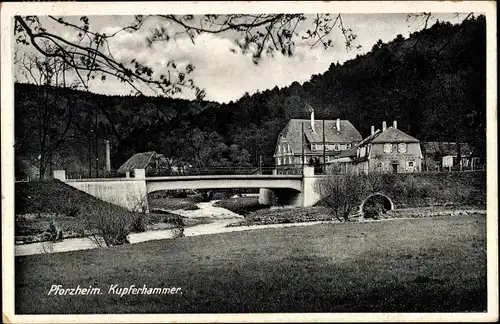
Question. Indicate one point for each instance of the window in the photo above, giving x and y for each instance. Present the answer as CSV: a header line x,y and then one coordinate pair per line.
x,y
379,164
289,149
348,146
278,161
313,147
279,148
330,158
336,147
411,164
388,148
402,148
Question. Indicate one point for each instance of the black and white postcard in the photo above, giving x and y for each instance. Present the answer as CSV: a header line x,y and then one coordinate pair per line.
x,y
298,161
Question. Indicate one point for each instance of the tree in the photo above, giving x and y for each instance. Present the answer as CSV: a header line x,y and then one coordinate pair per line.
x,y
90,52
47,116
342,193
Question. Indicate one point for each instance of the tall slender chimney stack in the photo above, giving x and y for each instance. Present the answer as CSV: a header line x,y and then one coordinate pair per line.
x,y
312,120
395,124
338,124
372,130
108,156
384,126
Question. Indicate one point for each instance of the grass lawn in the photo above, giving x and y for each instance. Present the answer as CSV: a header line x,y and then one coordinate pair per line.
x,y
406,265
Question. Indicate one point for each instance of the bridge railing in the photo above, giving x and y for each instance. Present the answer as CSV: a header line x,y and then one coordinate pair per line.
x,y
290,170
97,174
209,171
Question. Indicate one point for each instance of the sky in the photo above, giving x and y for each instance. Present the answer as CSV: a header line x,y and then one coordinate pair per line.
x,y
221,68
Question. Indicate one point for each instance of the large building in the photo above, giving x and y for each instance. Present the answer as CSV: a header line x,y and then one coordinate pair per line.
x,y
385,150
314,139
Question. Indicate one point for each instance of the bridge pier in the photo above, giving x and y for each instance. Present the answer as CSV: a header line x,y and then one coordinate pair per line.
x,y
307,197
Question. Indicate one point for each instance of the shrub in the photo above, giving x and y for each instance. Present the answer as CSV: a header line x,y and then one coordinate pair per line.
x,y
140,223
342,193
110,226
178,223
54,233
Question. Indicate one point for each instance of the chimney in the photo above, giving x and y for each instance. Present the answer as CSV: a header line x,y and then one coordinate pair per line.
x,y
395,124
384,126
373,130
312,120
338,124
108,157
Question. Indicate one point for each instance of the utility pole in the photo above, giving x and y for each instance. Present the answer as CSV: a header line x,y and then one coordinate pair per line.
x,y
96,146
90,151
303,157
260,164
324,148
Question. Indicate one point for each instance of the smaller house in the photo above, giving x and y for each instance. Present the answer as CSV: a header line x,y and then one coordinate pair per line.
x,y
152,162
385,150
438,155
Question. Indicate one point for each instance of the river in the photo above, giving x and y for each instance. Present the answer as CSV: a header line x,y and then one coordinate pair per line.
x,y
219,219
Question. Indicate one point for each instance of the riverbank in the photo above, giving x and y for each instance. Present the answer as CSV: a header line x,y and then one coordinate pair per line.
x,y
205,219
286,215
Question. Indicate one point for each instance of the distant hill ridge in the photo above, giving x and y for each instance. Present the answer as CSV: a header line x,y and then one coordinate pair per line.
x,y
432,83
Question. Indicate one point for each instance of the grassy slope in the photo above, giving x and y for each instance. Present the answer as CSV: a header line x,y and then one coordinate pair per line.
x,y
53,200
417,265
53,196
427,189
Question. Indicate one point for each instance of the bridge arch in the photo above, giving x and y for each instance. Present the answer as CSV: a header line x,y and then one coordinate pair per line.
x,y
387,201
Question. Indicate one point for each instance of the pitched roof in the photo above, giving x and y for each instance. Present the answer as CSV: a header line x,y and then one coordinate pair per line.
x,y
394,135
390,135
140,161
293,133
352,152
370,138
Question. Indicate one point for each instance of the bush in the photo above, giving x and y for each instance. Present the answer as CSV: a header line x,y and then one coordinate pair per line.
x,y
343,193
54,233
178,223
139,224
110,226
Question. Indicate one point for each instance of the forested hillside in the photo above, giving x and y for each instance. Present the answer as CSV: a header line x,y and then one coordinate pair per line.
x,y
433,83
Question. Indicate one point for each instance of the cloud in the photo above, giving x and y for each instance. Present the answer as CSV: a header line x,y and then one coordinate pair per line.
x,y
220,66
224,71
